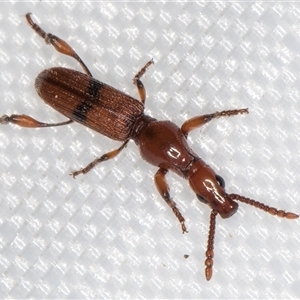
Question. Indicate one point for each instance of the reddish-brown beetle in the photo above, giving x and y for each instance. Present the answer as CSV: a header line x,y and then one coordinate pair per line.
x,y
83,99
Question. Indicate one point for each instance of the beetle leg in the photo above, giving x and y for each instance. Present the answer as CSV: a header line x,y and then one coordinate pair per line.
x,y
138,82
104,157
163,189
198,121
59,44
27,121
210,245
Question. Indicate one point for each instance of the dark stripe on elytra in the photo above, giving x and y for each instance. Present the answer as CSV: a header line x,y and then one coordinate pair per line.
x,y
81,110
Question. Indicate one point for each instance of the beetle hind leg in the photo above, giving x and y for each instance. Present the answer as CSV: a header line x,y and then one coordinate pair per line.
x,y
29,122
59,44
104,157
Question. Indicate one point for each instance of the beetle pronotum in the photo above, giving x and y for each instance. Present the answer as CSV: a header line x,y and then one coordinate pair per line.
x,y
83,99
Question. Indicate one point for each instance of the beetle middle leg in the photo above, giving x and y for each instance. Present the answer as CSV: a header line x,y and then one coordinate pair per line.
x,y
198,121
104,157
138,82
163,189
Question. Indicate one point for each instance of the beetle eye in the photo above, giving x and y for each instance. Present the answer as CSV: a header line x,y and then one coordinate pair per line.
x,y
202,199
220,180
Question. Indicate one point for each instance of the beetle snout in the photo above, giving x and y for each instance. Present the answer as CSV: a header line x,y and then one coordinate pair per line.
x,y
228,208
225,208
210,189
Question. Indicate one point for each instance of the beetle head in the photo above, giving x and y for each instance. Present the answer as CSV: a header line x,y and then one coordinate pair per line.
x,y
209,188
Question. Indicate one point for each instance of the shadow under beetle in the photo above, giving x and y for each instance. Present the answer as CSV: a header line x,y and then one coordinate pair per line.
x,y
83,99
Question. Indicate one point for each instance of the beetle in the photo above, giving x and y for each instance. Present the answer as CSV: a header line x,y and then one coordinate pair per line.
x,y
83,99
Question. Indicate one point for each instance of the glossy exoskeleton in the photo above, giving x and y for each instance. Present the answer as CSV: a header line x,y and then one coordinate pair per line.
x,y
94,104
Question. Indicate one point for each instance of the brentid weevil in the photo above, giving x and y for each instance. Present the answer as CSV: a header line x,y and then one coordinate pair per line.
x,y
94,104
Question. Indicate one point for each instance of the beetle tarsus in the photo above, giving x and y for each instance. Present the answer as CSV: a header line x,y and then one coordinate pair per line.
x,y
142,70
138,82
4,119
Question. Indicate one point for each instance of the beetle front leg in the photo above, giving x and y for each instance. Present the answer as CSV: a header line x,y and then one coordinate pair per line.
x,y
198,121
163,189
138,82
104,157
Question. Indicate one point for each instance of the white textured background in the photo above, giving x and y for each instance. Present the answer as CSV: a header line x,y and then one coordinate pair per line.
x,y
108,234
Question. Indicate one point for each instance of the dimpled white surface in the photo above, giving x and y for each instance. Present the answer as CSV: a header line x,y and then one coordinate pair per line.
x,y
108,234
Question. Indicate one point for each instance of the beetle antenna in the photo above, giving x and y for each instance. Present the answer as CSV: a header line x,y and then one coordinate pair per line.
x,y
210,245
271,210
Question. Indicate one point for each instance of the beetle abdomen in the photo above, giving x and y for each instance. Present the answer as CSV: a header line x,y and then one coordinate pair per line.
x,y
89,102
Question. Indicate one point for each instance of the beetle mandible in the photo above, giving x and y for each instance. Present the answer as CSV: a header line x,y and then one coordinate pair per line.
x,y
83,99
